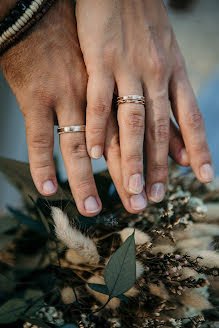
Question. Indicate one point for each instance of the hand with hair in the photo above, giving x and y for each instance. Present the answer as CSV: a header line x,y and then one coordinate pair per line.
x,y
130,48
46,72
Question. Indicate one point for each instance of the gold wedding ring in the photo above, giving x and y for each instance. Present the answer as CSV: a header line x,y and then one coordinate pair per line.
x,y
131,99
72,128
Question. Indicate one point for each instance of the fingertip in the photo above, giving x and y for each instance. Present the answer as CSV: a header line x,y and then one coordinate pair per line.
x,y
49,187
92,206
206,172
96,152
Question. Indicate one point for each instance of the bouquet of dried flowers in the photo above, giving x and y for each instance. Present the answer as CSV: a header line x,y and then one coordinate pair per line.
x,y
159,268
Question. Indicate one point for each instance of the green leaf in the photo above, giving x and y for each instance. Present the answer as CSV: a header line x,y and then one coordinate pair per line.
x,y
99,288
18,173
5,240
35,299
31,223
7,284
104,290
12,310
120,272
8,223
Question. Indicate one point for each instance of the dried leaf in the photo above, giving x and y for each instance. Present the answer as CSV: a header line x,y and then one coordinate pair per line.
x,y
28,221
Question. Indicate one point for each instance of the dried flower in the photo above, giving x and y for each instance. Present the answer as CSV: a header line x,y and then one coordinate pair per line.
x,y
73,238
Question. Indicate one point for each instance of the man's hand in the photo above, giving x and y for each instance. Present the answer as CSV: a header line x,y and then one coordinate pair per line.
x,y
47,74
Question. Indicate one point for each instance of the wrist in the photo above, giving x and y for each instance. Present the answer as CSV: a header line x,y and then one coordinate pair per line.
x,y
5,7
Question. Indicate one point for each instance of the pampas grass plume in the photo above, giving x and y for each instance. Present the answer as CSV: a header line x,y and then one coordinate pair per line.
x,y
209,259
213,211
159,290
73,238
191,298
73,257
140,236
139,269
163,248
67,295
197,243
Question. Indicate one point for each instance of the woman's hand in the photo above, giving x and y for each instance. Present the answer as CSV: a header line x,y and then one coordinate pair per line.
x,y
47,74
129,45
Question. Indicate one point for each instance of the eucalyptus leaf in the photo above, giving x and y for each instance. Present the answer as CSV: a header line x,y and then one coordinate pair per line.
x,y
104,290
18,173
5,240
99,288
8,223
12,310
28,221
120,272
7,284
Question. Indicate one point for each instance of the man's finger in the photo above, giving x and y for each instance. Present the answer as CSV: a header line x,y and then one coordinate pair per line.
x,y
39,129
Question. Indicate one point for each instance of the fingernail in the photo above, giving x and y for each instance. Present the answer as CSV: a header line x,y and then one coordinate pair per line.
x,y
207,172
96,152
49,187
157,192
91,205
135,184
138,202
184,156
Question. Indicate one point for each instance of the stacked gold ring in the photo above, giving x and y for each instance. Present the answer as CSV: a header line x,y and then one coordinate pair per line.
x,y
131,99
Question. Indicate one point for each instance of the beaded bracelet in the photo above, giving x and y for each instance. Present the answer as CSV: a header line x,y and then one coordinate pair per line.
x,y
20,20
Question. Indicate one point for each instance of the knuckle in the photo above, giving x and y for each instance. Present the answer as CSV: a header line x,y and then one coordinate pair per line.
x,y
136,120
134,158
100,108
78,150
159,171
85,187
194,119
160,130
44,165
41,142
158,66
96,132
110,52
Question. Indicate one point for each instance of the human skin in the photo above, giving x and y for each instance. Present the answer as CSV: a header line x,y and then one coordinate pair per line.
x,y
46,72
129,47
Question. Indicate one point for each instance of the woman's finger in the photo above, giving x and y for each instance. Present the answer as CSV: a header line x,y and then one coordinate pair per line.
x,y
132,203
131,119
157,144
176,146
39,129
99,100
77,161
191,125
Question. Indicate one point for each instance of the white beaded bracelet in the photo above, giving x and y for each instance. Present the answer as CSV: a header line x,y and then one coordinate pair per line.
x,y
21,21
